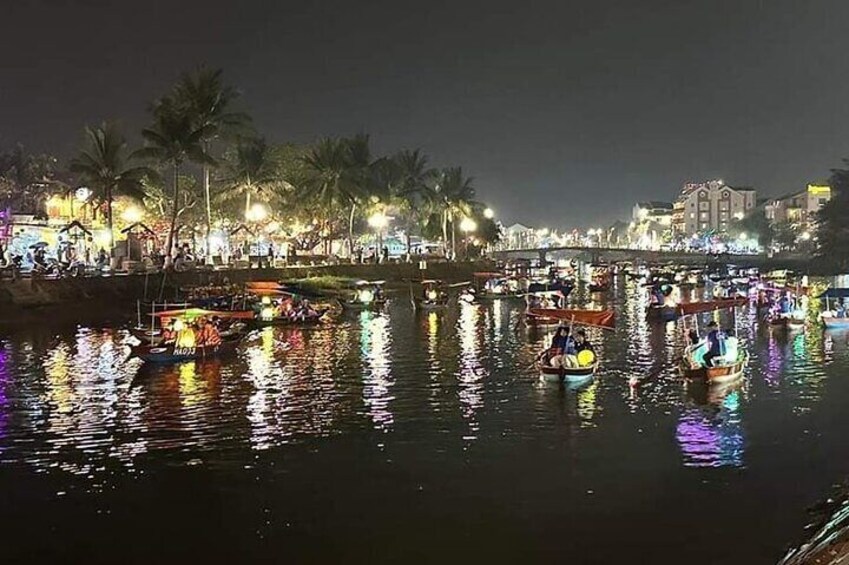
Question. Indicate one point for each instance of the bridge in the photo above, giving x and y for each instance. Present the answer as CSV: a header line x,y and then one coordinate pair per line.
x,y
620,254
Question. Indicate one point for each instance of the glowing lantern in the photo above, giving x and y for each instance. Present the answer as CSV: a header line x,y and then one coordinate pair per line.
x,y
366,296
267,313
585,358
432,294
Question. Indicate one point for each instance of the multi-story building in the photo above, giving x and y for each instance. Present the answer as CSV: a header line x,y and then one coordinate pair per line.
x,y
799,208
710,206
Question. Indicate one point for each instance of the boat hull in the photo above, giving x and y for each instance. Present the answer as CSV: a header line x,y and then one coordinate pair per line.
x,y
570,375
172,354
720,374
834,323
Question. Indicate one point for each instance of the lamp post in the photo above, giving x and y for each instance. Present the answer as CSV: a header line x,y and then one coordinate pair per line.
x,y
256,214
378,221
467,226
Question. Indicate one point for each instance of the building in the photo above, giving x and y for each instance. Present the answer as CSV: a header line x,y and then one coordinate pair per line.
x,y
710,207
799,208
519,236
651,224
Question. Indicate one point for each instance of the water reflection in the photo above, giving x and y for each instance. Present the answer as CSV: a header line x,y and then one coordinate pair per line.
x,y
375,342
72,401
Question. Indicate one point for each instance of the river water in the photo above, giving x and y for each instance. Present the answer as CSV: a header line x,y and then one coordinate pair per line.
x,y
415,437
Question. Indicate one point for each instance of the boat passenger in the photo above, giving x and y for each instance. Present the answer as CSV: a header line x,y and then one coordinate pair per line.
x,y
169,333
840,311
559,343
209,335
715,344
693,337
582,343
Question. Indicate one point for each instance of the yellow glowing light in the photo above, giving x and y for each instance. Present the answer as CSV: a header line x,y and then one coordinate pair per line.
x,y
267,313
468,225
805,236
744,236
366,296
378,220
266,300
256,213
819,189
179,325
132,215
103,238
488,214
432,295
272,227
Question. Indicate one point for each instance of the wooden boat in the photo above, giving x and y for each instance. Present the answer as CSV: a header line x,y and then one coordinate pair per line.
x,y
433,296
832,319
173,353
786,321
604,319
497,286
716,374
367,295
312,320
152,333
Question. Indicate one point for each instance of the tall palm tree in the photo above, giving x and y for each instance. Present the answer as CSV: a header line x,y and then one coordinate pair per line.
x,y
250,170
105,166
338,177
456,197
171,140
204,96
414,189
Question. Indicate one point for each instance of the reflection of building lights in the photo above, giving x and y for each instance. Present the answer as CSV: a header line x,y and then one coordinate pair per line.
x,y
267,313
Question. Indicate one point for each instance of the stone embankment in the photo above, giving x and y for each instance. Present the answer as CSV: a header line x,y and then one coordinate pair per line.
x,y
16,297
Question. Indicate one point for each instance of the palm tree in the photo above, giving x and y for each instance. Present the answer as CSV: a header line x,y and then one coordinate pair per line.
x,y
250,170
456,197
104,165
338,176
414,189
173,139
203,95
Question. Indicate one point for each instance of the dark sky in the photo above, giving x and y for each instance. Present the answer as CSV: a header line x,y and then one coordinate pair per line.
x,y
564,112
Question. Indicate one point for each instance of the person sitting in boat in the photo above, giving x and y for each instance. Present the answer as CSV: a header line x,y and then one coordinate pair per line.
x,y
715,344
784,304
693,337
840,311
562,345
169,333
208,335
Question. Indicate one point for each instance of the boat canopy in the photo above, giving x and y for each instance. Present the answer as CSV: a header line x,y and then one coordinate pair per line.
x,y
835,293
369,283
605,319
689,308
192,313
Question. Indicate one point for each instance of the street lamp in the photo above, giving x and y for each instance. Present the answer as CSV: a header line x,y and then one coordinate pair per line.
x,y
256,213
467,226
378,221
132,215
488,213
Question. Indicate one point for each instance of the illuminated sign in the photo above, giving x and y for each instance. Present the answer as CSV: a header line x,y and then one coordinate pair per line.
x,y
819,189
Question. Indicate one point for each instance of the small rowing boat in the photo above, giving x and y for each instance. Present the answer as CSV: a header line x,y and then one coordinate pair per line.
x,y
433,296
570,375
721,372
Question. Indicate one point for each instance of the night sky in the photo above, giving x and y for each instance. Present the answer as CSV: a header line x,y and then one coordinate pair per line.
x,y
564,113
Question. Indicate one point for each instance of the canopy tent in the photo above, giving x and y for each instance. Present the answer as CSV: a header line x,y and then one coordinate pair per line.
x,y
604,319
833,293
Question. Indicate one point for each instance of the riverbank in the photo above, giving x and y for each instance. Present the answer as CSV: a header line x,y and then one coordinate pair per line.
x,y
25,298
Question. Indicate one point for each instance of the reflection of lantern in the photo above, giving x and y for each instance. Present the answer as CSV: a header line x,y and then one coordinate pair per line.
x,y
432,294
366,296
267,313
266,300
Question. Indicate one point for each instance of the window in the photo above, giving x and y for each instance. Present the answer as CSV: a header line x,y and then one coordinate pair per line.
x,y
703,216
723,205
723,216
692,215
703,226
704,205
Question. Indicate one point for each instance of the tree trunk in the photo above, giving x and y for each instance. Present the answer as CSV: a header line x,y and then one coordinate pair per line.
x,y
247,202
109,222
208,213
351,231
409,241
453,239
445,233
172,233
